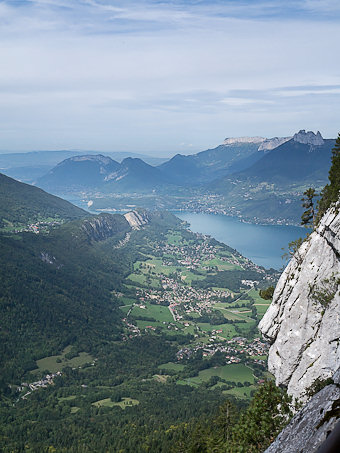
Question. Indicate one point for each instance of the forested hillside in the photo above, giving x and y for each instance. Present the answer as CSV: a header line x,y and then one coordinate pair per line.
x,y
117,331
22,204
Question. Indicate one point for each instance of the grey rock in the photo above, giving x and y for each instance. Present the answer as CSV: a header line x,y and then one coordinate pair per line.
x,y
105,226
302,323
309,138
272,143
136,219
310,427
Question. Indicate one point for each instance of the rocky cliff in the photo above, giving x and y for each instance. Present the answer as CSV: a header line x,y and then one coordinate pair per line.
x,y
309,138
104,226
137,219
312,426
302,322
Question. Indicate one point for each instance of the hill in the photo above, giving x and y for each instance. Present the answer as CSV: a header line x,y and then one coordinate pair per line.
x,y
23,204
134,175
78,173
89,172
234,154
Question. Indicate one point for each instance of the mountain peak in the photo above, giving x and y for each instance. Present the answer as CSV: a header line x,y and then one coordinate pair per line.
x,y
308,138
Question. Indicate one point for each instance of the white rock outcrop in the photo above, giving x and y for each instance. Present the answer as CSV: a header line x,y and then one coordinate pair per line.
x,y
303,320
236,140
136,219
308,138
272,143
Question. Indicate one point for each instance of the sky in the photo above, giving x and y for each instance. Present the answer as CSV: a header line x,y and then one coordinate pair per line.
x,y
161,77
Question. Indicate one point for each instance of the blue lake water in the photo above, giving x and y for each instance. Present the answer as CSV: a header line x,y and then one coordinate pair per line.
x,y
261,243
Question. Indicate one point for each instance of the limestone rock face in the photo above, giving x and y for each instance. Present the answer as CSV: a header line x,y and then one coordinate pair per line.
x,y
105,226
237,140
302,323
310,427
136,219
272,143
308,138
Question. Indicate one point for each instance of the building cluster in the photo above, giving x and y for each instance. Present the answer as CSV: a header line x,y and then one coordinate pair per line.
x,y
234,350
42,383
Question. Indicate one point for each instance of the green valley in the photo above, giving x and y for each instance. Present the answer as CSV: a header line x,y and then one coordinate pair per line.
x,y
105,318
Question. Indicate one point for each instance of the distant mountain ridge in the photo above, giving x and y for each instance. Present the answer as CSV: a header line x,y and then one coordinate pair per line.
x,y
305,156
272,187
31,165
101,172
234,154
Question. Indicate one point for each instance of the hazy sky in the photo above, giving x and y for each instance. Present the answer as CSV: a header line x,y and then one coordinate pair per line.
x,y
161,77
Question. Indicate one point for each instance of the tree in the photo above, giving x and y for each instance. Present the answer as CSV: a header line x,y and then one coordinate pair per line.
x,y
267,293
331,192
308,217
267,415
293,249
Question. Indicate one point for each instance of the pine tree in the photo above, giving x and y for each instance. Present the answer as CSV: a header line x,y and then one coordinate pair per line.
x,y
308,217
331,192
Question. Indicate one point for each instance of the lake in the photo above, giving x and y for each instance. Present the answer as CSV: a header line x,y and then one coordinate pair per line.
x,y
261,243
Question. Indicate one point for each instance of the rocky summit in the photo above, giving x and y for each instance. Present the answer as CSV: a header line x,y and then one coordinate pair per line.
x,y
308,138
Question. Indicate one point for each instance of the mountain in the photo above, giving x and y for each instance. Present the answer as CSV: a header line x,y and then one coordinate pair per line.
x,y
134,174
304,158
101,172
271,188
22,203
234,154
80,172
29,166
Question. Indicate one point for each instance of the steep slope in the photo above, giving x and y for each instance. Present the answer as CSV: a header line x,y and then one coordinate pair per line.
x,y
56,289
234,154
22,203
78,173
303,320
311,427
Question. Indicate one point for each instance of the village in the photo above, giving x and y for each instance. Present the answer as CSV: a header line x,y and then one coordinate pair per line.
x,y
41,383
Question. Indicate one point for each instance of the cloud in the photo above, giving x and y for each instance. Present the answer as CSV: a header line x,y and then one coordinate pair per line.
x,y
148,75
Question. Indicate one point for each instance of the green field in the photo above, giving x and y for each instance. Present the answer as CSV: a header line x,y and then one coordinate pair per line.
x,y
171,366
144,279
175,238
188,277
260,304
221,265
234,372
241,392
53,365
158,312
155,266
228,330
67,398
126,402
228,314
